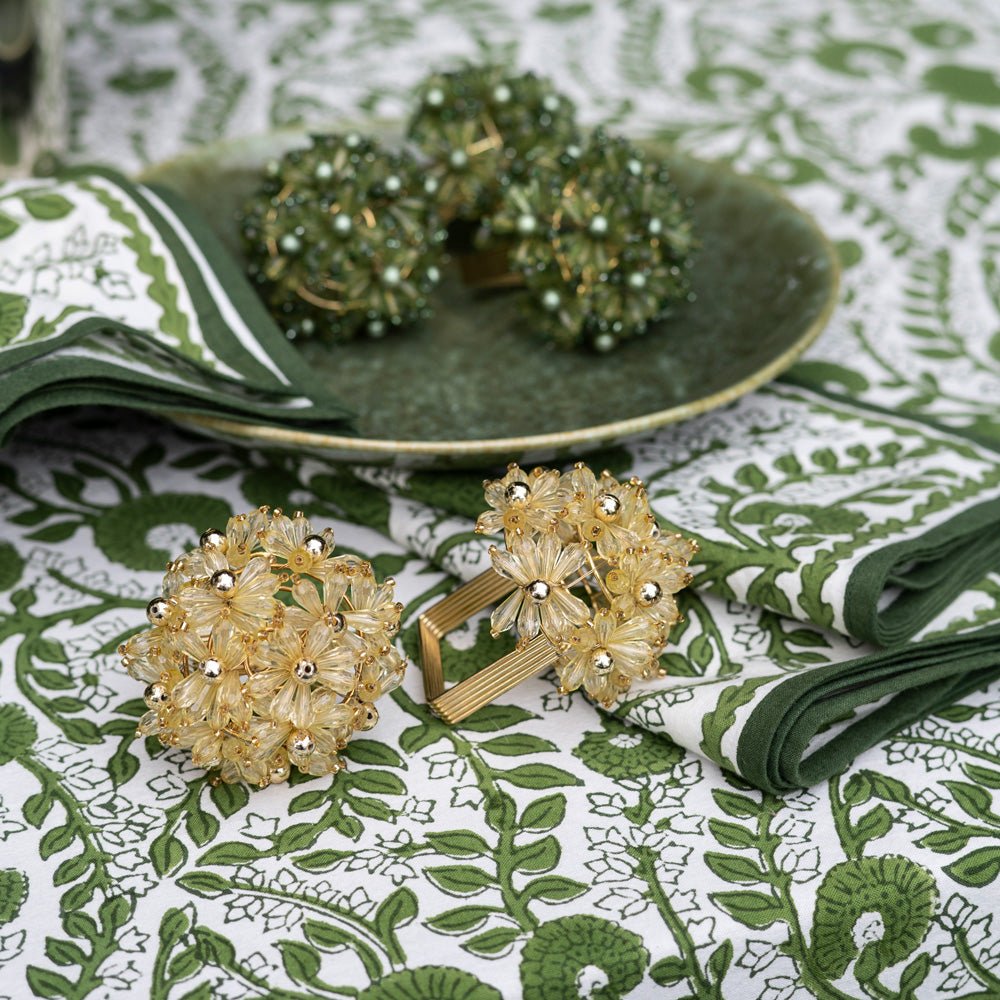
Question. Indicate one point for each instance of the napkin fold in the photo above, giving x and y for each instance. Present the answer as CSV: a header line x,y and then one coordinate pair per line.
x,y
845,553
114,293
787,705
810,726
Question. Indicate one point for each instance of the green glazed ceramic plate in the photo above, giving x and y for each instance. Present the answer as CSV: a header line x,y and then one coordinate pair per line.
x,y
473,386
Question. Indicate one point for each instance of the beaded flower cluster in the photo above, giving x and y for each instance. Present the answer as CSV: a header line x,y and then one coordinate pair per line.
x,y
593,573
601,239
481,128
265,649
342,238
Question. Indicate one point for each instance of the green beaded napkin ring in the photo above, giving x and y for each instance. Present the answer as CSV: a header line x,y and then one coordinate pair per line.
x,y
345,237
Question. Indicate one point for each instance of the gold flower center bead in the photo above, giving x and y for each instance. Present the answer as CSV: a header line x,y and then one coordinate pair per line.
x,y
602,661
223,582
305,670
517,492
156,695
365,717
213,539
158,611
211,669
607,506
311,550
315,545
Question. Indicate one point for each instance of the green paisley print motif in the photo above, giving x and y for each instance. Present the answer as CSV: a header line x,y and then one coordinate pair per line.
x,y
582,956
13,890
438,981
18,732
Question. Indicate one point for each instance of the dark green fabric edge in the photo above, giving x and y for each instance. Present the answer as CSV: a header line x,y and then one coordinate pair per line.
x,y
302,380
248,304
950,557
921,679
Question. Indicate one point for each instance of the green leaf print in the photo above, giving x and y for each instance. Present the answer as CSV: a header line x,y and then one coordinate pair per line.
x,y
755,909
13,309
8,226
977,868
47,206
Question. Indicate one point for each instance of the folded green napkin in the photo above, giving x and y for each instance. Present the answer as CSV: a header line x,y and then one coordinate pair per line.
x,y
113,293
829,533
788,705
851,518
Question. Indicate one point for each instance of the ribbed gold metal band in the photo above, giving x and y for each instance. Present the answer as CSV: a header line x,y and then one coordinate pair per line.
x,y
473,693
470,695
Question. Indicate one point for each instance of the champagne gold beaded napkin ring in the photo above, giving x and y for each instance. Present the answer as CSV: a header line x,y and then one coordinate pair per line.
x,y
587,581
266,650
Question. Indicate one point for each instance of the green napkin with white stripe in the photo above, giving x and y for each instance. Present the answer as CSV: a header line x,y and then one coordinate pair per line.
x,y
117,294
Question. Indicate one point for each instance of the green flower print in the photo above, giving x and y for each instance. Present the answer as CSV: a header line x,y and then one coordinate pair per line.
x,y
13,890
122,532
17,732
900,891
622,751
582,956
440,982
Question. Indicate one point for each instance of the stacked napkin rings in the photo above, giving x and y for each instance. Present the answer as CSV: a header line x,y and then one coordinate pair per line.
x,y
346,238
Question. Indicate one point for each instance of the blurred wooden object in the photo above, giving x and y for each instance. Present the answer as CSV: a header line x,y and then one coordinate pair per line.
x,y
32,84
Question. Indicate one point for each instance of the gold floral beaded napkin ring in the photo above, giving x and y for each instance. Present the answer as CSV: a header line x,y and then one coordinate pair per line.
x,y
266,650
587,581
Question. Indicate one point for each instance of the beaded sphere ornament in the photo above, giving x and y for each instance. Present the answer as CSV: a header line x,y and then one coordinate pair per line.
x,y
594,574
341,239
481,128
602,240
266,650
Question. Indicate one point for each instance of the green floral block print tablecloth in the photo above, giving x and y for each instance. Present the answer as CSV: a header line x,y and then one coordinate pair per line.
x,y
545,849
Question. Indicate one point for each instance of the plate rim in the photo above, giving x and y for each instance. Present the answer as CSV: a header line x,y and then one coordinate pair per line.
x,y
521,444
